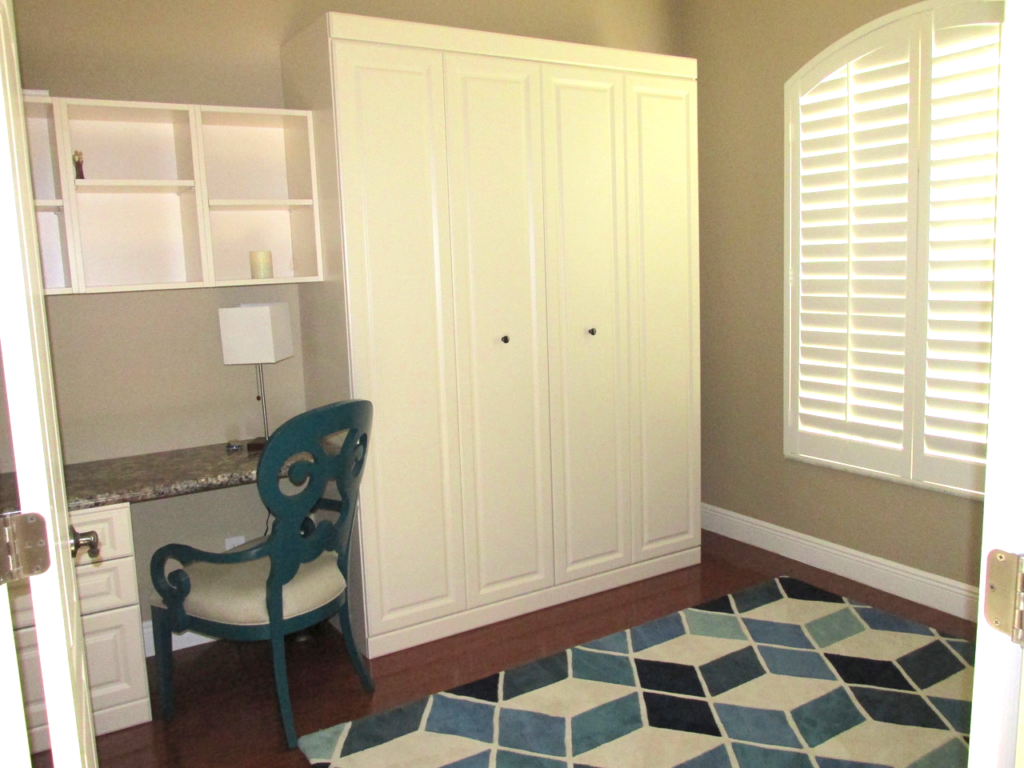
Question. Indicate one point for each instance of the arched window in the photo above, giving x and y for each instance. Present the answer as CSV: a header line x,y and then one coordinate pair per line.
x,y
890,194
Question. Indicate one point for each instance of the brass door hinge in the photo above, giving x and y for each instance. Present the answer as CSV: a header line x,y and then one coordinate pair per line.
x,y
1004,598
23,546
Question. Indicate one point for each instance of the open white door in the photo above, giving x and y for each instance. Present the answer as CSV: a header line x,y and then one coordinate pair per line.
x,y
997,676
26,359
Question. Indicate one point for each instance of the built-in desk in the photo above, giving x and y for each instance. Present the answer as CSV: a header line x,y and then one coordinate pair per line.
x,y
99,494
147,477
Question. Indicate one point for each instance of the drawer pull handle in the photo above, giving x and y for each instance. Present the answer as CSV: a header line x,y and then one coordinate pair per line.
x,y
505,339
592,331
89,539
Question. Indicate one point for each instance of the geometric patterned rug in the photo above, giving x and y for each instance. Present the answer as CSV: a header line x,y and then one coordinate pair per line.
x,y
781,675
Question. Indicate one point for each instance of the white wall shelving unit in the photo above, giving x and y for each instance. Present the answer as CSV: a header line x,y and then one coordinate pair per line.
x,y
170,195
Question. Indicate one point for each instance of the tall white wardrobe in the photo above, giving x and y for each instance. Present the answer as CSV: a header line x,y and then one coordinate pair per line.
x,y
511,278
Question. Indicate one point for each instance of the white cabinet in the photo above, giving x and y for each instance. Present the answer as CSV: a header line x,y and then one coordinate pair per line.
x,y
520,303
135,195
112,625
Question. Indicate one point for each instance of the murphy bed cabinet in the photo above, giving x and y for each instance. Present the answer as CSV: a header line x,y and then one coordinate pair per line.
x,y
518,220
170,195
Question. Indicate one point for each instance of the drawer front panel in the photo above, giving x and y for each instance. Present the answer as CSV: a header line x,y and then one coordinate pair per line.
x,y
114,526
102,585
105,585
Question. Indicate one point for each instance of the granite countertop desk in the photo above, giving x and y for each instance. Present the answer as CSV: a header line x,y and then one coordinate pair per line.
x,y
147,477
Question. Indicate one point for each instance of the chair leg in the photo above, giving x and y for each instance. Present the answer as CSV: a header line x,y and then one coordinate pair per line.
x,y
353,651
164,660
284,698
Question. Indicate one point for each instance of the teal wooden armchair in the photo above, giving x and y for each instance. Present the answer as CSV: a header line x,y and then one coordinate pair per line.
x,y
308,478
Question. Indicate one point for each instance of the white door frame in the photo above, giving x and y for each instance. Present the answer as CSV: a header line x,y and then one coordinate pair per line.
x,y
997,676
37,453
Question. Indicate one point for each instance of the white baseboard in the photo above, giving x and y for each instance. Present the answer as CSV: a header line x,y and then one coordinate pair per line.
x,y
184,640
937,592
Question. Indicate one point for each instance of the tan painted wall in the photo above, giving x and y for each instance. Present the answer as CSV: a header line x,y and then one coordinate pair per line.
x,y
746,50
142,372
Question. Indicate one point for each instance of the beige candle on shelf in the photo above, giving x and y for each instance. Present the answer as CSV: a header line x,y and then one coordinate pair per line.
x,y
261,264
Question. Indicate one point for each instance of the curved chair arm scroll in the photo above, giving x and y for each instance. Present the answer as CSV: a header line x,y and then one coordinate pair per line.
x,y
174,587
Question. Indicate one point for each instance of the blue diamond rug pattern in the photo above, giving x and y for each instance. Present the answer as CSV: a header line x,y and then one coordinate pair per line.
x,y
781,675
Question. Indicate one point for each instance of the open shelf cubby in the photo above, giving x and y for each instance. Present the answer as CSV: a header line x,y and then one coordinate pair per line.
x,y
261,193
142,236
48,193
129,141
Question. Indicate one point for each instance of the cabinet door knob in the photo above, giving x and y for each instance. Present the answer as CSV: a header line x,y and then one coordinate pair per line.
x,y
504,339
592,331
89,539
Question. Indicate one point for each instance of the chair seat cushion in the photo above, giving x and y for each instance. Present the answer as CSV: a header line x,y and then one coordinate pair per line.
x,y
237,593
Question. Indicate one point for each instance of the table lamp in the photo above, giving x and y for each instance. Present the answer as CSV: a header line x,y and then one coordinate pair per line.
x,y
256,334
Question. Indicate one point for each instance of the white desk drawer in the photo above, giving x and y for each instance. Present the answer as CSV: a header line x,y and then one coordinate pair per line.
x,y
105,585
114,526
101,586
117,669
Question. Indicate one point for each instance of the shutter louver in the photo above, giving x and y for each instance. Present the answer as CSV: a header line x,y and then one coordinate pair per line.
x,y
961,240
854,203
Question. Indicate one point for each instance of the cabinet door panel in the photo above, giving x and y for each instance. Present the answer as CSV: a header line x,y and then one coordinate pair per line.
x,y
587,289
397,247
495,164
661,120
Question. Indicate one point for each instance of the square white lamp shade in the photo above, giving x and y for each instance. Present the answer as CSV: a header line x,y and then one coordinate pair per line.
x,y
256,333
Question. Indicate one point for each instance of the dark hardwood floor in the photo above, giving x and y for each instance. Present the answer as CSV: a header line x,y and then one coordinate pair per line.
x,y
227,710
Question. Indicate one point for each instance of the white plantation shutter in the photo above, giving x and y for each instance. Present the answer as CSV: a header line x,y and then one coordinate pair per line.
x,y
891,201
952,420
853,254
